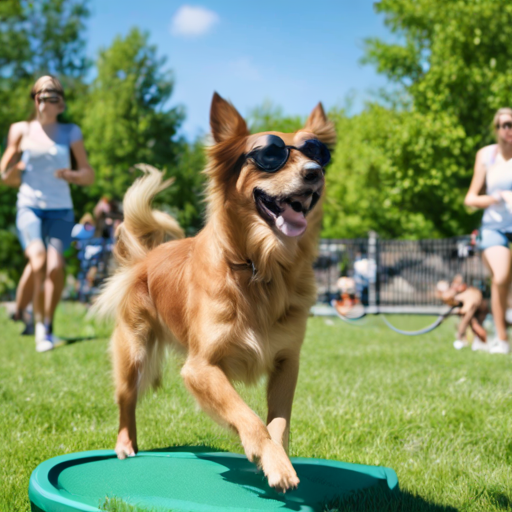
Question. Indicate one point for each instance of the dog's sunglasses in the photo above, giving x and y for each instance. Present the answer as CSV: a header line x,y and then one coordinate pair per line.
x,y
274,154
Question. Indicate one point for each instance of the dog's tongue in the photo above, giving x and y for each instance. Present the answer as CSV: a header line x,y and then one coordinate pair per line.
x,y
290,222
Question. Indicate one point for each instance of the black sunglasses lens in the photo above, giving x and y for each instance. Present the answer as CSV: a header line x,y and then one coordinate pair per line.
x,y
272,156
317,151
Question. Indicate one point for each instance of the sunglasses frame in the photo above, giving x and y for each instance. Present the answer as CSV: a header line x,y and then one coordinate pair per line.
x,y
286,154
34,95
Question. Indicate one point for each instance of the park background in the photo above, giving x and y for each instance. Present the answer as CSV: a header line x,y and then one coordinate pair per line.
x,y
406,146
437,71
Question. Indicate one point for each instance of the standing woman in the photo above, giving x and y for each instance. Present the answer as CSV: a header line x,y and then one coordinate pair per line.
x,y
45,217
493,169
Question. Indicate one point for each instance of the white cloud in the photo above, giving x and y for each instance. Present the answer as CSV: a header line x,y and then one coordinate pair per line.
x,y
190,21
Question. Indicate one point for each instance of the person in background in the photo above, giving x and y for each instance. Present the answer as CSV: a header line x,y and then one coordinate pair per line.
x,y
45,216
493,173
472,310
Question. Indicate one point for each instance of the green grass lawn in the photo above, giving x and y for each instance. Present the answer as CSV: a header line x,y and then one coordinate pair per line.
x,y
442,419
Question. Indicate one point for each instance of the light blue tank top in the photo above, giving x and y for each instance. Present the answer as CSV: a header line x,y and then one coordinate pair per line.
x,y
44,151
498,177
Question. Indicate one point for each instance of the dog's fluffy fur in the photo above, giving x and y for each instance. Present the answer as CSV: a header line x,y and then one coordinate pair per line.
x,y
235,298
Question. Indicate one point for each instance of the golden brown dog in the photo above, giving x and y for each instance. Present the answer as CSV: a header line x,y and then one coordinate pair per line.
x,y
235,297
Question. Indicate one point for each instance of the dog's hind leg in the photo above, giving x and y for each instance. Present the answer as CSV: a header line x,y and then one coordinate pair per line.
x,y
216,395
130,351
280,391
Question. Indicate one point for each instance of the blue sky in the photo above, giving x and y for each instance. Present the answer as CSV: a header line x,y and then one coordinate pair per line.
x,y
292,53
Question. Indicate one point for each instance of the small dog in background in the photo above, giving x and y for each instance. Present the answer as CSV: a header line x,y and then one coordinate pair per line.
x,y
473,310
348,298
236,297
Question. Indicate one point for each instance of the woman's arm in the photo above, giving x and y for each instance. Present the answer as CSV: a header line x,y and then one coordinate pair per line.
x,y
11,174
473,197
85,174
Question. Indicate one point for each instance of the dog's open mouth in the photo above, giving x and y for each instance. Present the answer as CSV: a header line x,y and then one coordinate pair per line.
x,y
287,214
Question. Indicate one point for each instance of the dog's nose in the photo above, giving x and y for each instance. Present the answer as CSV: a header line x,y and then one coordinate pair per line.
x,y
312,174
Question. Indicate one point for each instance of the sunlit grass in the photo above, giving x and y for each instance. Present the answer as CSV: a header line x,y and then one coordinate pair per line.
x,y
439,417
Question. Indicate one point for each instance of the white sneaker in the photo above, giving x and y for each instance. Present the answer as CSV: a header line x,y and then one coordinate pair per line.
x,y
42,343
44,346
478,344
499,347
458,344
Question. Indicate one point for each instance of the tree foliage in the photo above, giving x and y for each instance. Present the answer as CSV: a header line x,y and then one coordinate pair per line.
x,y
185,198
126,120
450,67
270,117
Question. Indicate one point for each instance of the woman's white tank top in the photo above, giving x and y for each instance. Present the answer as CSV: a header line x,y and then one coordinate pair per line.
x,y
498,177
43,153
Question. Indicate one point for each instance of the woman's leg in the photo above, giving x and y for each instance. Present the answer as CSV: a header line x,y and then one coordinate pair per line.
x,y
54,284
498,260
25,291
36,254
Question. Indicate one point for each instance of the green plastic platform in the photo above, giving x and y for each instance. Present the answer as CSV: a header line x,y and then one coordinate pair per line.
x,y
182,479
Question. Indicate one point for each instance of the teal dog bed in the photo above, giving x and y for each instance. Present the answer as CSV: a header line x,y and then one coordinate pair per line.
x,y
181,479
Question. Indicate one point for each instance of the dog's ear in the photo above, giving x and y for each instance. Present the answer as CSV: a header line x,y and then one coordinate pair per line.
x,y
225,121
318,124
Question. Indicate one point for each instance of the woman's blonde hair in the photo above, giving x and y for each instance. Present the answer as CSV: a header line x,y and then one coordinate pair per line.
x,y
499,112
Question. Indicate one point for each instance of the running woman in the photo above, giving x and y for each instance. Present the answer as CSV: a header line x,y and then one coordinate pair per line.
x,y
493,173
45,216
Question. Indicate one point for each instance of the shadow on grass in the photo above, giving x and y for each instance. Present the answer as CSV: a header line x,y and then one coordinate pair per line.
x,y
76,339
500,500
381,499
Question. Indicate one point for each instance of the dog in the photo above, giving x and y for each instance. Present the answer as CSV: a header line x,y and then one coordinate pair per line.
x,y
236,297
473,307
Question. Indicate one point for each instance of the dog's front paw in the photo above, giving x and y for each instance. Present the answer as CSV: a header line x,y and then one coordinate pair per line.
x,y
277,468
125,447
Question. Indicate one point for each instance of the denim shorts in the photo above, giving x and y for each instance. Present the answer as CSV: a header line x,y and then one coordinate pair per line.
x,y
493,238
52,227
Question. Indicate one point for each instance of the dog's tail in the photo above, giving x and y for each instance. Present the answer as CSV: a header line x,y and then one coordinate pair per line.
x,y
143,228
141,231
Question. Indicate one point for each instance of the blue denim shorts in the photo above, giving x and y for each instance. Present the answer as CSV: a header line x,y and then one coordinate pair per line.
x,y
52,227
493,238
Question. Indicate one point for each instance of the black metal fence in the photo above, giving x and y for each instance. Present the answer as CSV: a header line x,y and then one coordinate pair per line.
x,y
398,273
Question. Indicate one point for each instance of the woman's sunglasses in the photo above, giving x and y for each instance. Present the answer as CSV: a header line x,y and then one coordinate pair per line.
x,y
274,154
506,126
48,99
48,96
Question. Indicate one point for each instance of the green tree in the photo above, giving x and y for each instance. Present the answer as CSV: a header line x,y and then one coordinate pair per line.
x,y
270,117
185,198
126,118
415,157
